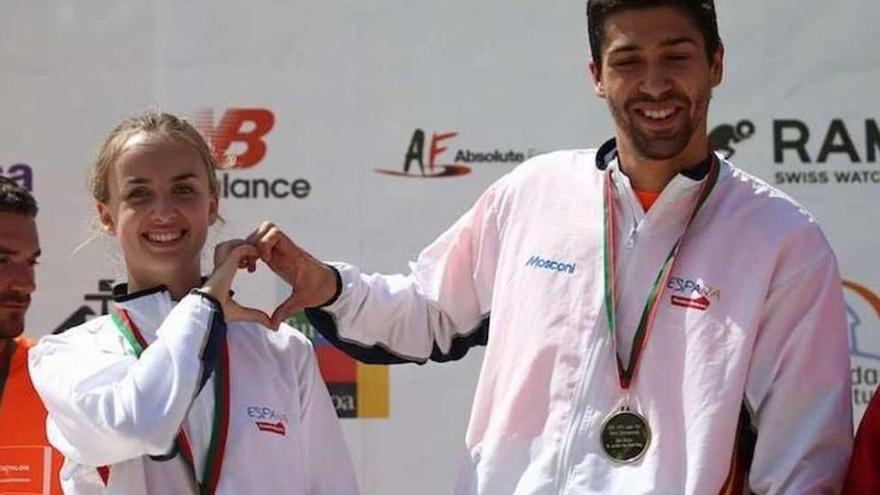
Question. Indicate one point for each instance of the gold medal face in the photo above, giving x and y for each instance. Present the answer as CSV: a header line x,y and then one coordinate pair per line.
x,y
625,436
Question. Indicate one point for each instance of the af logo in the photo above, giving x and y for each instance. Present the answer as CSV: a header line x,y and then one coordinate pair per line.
x,y
464,158
85,312
863,323
415,154
723,137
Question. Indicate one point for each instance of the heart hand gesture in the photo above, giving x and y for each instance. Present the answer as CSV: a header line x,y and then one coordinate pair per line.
x,y
229,257
312,282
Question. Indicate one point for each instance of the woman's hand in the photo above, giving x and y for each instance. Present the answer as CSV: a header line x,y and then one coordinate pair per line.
x,y
229,257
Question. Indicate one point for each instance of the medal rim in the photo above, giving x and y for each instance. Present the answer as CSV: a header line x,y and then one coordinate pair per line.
x,y
647,440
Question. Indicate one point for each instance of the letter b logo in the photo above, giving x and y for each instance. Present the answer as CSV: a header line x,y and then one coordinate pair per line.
x,y
240,133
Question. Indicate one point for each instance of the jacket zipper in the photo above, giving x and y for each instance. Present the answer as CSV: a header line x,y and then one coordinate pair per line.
x,y
579,408
566,465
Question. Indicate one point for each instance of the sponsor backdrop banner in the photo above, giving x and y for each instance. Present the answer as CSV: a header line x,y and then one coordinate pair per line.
x,y
365,129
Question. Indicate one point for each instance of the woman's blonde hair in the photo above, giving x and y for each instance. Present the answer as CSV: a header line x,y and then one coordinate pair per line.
x,y
160,123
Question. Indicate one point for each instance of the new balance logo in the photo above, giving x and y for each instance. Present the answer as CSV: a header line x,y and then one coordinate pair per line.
x,y
552,265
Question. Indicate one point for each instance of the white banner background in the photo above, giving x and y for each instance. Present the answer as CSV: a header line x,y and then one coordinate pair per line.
x,y
348,83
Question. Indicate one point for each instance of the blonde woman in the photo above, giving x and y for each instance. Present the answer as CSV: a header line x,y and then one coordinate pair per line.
x,y
180,389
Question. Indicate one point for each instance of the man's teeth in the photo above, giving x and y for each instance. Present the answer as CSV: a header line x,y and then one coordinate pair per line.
x,y
164,237
658,114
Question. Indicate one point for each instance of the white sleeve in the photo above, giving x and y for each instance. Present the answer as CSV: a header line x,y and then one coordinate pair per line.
x,y
328,463
420,316
799,387
104,407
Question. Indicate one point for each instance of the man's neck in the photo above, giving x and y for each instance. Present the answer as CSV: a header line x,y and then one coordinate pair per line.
x,y
5,343
650,175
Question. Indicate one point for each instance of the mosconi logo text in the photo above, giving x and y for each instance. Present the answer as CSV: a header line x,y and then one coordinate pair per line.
x,y
241,135
439,149
536,261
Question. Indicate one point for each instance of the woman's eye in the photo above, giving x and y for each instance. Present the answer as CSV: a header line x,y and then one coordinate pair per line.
x,y
184,189
137,194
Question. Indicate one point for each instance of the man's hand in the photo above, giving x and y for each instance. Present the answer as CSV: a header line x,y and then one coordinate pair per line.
x,y
229,257
313,283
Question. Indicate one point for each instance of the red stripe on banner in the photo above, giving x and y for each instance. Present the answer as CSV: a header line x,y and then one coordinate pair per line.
x,y
336,366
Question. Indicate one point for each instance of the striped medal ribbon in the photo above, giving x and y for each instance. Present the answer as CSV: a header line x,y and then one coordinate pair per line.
x,y
220,425
625,434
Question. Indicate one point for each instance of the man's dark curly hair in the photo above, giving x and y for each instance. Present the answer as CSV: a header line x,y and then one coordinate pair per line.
x,y
16,199
702,12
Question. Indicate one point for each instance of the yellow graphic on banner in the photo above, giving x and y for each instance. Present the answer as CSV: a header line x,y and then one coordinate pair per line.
x,y
372,391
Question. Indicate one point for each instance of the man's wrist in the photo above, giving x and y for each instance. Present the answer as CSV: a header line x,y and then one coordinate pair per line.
x,y
337,290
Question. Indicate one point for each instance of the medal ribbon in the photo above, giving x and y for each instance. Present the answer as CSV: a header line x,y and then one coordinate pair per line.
x,y
627,374
220,425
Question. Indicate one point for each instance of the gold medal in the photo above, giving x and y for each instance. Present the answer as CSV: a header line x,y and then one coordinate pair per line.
x,y
625,436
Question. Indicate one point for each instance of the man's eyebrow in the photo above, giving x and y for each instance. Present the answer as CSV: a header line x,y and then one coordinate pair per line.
x,y
624,49
678,41
627,48
183,177
7,251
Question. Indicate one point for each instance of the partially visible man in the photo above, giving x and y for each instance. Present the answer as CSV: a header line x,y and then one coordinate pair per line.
x,y
28,465
863,477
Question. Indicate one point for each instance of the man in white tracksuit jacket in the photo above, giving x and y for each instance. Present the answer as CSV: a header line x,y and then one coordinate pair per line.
x,y
741,384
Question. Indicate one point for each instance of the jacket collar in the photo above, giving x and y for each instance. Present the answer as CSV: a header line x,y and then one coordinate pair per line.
x,y
675,198
608,153
147,308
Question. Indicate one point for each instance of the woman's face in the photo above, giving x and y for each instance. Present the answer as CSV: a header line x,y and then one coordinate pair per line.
x,y
160,207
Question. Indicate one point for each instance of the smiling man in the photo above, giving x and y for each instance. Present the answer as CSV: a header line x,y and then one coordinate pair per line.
x,y
27,463
656,319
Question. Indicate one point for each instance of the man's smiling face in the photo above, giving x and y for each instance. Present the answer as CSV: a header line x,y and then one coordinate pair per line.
x,y
657,79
